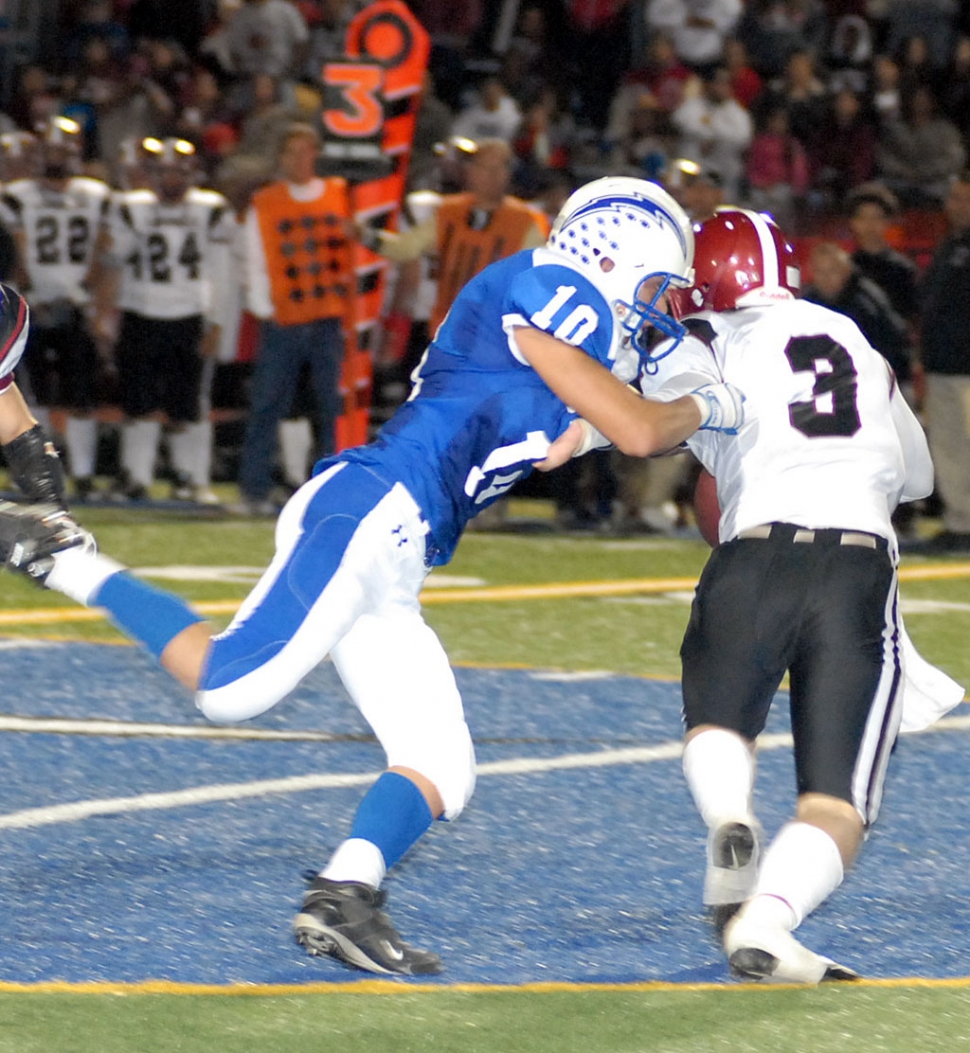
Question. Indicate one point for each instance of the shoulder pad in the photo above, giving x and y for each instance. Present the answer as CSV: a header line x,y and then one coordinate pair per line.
x,y
702,329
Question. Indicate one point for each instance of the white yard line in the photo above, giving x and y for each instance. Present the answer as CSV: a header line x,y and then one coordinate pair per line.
x,y
75,811
131,729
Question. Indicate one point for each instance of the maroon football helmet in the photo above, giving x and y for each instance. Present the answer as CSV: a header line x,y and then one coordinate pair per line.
x,y
741,259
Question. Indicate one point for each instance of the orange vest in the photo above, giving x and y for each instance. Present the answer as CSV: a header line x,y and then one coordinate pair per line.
x,y
307,254
463,252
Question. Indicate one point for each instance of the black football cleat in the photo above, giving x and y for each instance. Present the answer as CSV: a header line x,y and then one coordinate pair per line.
x,y
343,920
31,535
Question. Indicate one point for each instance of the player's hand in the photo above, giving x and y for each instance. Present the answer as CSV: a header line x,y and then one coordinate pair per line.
x,y
209,345
31,535
565,447
721,407
103,327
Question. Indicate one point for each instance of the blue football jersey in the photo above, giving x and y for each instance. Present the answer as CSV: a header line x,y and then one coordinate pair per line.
x,y
479,415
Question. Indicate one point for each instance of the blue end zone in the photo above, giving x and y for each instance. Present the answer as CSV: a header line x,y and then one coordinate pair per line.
x,y
589,874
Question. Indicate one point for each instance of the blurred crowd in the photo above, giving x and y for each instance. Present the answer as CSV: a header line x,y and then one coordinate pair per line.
x,y
842,116
792,102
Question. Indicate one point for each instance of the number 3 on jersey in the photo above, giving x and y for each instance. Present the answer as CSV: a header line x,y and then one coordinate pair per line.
x,y
832,410
576,326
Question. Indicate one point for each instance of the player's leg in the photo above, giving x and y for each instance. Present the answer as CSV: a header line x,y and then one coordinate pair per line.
x,y
733,658
78,357
295,432
137,355
845,715
296,442
411,701
327,566
273,382
326,356
186,381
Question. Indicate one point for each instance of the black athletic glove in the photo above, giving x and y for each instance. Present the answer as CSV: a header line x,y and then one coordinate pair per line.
x,y
36,467
31,535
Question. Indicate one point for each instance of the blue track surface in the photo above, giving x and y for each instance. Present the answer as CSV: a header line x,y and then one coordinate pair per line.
x,y
591,874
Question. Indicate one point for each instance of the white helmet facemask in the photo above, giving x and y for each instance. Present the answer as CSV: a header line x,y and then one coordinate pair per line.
x,y
633,242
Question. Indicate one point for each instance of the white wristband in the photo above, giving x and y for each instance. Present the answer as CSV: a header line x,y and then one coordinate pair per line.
x,y
704,405
592,439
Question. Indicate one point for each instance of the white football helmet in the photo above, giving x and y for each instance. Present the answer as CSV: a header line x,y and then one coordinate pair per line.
x,y
620,232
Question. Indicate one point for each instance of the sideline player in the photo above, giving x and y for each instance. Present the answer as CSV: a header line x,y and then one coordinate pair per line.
x,y
804,580
174,241
58,221
30,456
547,329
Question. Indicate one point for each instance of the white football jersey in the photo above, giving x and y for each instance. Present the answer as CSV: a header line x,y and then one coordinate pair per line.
x,y
175,257
827,440
59,229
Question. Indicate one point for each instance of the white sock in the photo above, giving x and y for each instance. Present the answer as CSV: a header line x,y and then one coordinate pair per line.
x,y
139,448
296,441
78,573
801,868
81,439
719,768
191,451
771,912
356,860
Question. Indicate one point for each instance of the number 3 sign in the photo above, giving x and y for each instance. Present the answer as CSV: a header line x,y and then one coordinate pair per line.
x,y
370,107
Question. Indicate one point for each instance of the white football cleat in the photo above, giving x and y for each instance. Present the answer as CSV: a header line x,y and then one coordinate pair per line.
x,y
757,951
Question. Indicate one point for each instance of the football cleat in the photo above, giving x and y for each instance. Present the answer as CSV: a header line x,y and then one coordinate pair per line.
x,y
733,854
31,535
343,919
764,952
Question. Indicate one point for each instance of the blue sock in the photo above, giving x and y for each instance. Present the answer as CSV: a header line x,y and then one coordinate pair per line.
x,y
145,613
392,815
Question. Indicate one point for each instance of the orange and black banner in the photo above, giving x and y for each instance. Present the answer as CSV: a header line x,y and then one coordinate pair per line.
x,y
371,104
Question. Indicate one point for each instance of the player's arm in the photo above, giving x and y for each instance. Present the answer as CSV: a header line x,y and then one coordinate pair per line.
x,y
29,455
12,217
100,261
21,276
534,237
403,246
15,417
916,452
116,249
218,276
259,298
635,425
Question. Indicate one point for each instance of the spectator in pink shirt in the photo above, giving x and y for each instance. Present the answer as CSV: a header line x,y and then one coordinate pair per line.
x,y
777,169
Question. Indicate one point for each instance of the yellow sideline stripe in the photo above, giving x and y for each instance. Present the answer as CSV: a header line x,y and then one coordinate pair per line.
x,y
490,594
399,987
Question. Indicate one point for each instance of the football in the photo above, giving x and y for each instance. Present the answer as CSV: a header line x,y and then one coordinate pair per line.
x,y
707,512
